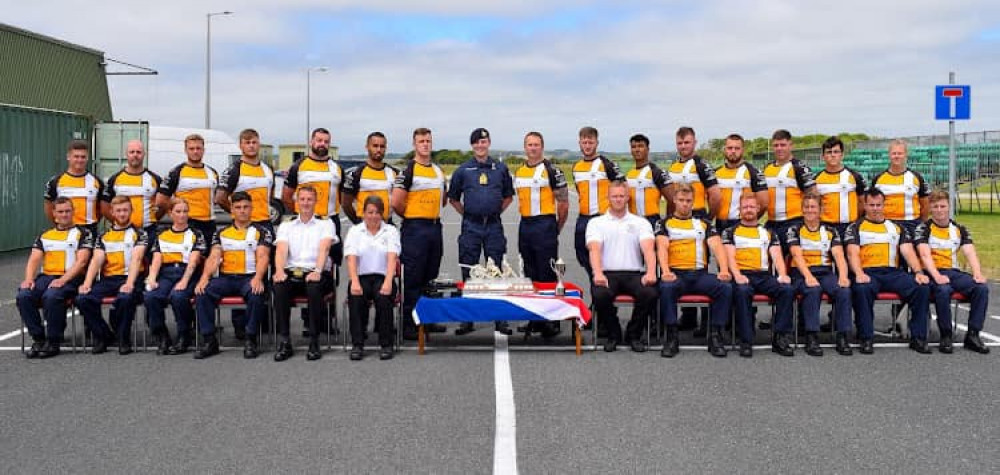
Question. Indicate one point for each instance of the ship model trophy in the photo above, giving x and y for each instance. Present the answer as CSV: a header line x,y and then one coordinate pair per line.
x,y
490,279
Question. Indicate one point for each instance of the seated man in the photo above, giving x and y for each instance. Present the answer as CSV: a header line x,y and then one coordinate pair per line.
x,y
302,265
682,243
241,254
873,247
751,251
62,254
372,251
820,266
118,260
620,245
939,241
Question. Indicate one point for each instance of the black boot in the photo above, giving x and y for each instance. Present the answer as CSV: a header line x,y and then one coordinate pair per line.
x,y
782,346
812,344
920,346
716,345
843,347
285,350
49,349
357,353
314,352
182,345
465,328
671,346
503,327
385,353
38,342
946,345
100,346
250,350
124,345
208,348
974,343
163,343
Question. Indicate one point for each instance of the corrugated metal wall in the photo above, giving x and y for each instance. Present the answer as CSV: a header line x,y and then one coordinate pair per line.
x,y
32,149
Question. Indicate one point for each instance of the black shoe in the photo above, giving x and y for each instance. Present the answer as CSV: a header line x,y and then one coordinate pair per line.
x,y
314,352
946,346
182,345
504,328
843,347
550,330
36,348
163,345
867,347
920,346
357,353
435,328
100,346
781,345
240,332
671,346
637,345
284,352
611,346
250,350
208,348
746,350
974,343
812,345
715,344
124,346
465,328
48,350
385,353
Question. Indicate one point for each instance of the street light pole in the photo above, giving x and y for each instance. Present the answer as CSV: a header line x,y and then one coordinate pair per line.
x,y
319,69
208,66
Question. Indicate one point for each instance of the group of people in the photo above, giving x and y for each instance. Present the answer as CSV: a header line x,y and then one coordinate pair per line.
x,y
825,233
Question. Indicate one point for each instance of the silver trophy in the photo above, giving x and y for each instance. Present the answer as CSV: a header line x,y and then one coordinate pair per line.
x,y
559,267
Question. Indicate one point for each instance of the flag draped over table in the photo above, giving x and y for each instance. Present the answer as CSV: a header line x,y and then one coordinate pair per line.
x,y
487,308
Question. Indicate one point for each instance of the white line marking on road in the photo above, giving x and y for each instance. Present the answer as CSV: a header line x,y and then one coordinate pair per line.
x,y
964,328
7,336
505,440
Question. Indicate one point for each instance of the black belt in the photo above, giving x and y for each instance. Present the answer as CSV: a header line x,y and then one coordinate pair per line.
x,y
422,220
174,264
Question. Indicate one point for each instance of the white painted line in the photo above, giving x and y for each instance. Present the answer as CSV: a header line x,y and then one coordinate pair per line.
x,y
7,336
505,439
965,328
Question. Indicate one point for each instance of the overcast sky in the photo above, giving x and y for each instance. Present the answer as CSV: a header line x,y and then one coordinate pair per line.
x,y
549,65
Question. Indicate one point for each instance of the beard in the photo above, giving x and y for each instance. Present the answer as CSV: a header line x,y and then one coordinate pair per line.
x,y
320,151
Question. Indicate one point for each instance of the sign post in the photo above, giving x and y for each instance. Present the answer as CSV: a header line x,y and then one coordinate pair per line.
x,y
952,103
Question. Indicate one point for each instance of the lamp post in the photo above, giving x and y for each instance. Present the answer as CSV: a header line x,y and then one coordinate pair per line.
x,y
318,69
208,65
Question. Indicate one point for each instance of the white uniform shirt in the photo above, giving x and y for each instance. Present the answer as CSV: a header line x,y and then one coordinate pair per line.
x,y
303,241
619,238
372,250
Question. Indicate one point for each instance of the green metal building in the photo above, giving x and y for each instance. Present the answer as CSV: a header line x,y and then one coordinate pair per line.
x,y
51,92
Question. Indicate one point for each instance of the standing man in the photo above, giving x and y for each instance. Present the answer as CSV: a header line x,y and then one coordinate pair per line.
x,y
323,174
737,177
591,175
681,245
251,176
874,244
118,261
751,251
61,253
418,196
374,178
195,183
241,254
80,186
905,190
939,242
139,185
543,202
623,260
488,189
788,180
647,183
690,169
840,188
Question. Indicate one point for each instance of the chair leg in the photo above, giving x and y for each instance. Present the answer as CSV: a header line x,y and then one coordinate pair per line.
x,y
72,324
347,327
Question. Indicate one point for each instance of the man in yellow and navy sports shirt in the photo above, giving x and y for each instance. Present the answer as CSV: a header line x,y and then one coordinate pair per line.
x,y
647,183
736,178
840,188
905,190
373,178
939,242
80,186
195,182
117,260
241,255
418,196
788,180
591,174
874,244
139,185
61,253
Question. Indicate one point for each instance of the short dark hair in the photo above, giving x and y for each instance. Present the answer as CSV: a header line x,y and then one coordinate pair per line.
x,y
685,131
421,131
247,134
368,139
781,134
831,142
240,196
78,144
535,134
736,137
62,200
376,201
874,192
639,138
319,130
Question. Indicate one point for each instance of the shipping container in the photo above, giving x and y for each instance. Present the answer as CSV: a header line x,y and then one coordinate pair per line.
x,y
32,149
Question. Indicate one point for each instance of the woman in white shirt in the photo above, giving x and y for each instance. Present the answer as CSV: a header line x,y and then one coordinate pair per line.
x,y
372,249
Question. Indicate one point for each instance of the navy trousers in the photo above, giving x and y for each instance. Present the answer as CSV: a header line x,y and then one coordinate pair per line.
x,y
53,303
891,279
696,282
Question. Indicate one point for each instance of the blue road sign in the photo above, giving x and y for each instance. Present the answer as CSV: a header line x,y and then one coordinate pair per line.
x,y
952,102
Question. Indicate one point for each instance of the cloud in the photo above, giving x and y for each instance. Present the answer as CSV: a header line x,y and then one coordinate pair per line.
x,y
748,66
